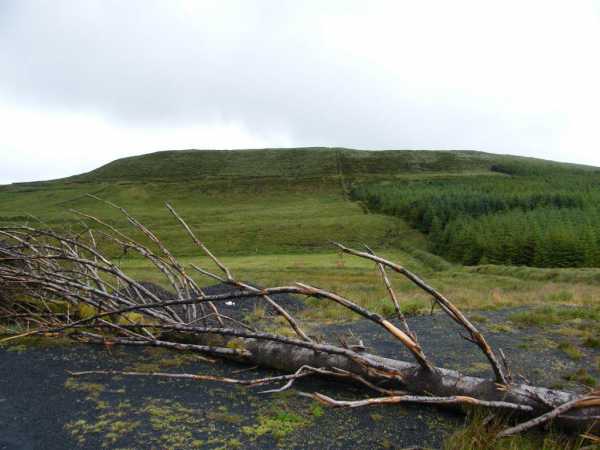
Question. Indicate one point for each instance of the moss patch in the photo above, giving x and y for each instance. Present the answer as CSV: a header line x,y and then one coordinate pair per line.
x,y
582,376
571,350
30,342
160,359
93,390
277,422
592,342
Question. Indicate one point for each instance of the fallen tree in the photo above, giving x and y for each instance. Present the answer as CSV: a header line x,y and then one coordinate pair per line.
x,y
73,289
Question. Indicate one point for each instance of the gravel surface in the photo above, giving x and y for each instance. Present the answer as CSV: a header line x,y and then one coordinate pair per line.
x,y
534,354
43,407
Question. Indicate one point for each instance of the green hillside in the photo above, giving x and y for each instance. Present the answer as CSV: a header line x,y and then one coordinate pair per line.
x,y
182,165
270,215
248,202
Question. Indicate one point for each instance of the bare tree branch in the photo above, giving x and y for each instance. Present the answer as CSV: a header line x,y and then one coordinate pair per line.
x,y
56,270
445,304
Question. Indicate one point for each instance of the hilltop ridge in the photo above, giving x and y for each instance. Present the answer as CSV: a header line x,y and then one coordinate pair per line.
x,y
304,163
266,201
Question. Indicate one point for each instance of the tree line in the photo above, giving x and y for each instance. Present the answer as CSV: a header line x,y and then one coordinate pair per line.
x,y
550,220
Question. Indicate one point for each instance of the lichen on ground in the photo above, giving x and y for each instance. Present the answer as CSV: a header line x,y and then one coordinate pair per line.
x,y
169,423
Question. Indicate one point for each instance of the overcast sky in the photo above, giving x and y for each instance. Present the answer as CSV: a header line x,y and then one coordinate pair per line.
x,y
84,82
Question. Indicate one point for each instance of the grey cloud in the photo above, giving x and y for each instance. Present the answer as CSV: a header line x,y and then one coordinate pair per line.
x,y
276,67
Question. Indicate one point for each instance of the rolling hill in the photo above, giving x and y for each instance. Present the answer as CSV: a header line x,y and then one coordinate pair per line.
x,y
270,201
179,165
270,214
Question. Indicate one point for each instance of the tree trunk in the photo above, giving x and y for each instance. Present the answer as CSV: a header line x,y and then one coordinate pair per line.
x,y
441,382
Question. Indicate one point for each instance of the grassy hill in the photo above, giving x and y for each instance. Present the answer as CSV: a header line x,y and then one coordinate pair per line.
x,y
243,202
270,215
314,162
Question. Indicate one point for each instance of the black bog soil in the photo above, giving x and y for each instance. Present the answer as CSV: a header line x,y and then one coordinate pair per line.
x,y
43,407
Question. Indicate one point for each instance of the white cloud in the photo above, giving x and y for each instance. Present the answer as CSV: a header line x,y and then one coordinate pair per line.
x,y
137,76
41,145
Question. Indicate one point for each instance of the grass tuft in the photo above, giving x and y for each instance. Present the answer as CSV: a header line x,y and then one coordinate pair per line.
x,y
480,430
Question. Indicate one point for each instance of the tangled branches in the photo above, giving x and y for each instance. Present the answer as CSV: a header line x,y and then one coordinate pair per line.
x,y
69,287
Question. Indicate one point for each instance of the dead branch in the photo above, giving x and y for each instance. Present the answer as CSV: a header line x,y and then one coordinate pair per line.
x,y
453,400
446,305
393,297
407,340
582,402
73,289
231,280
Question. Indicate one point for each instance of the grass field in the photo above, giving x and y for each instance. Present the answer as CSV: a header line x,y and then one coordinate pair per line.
x,y
274,211
236,220
359,280
272,214
252,201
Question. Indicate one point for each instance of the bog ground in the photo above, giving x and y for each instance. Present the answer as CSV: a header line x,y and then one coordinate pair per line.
x,y
117,412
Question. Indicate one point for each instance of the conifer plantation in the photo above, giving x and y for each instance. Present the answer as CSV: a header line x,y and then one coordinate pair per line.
x,y
520,216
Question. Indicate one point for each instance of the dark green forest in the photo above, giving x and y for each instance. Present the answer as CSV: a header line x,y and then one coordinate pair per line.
x,y
514,216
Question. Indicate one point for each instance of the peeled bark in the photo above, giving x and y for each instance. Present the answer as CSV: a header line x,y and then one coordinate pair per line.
x,y
414,379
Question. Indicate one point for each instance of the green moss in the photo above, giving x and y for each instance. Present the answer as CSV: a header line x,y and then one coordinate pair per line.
x,y
592,342
174,424
17,348
30,342
570,350
92,389
86,311
220,416
236,344
111,427
132,318
479,318
111,424
278,423
317,410
581,376
62,307
160,359
143,366
233,443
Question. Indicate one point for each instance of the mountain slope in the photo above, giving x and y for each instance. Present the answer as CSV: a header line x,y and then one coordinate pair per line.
x,y
253,201
302,163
